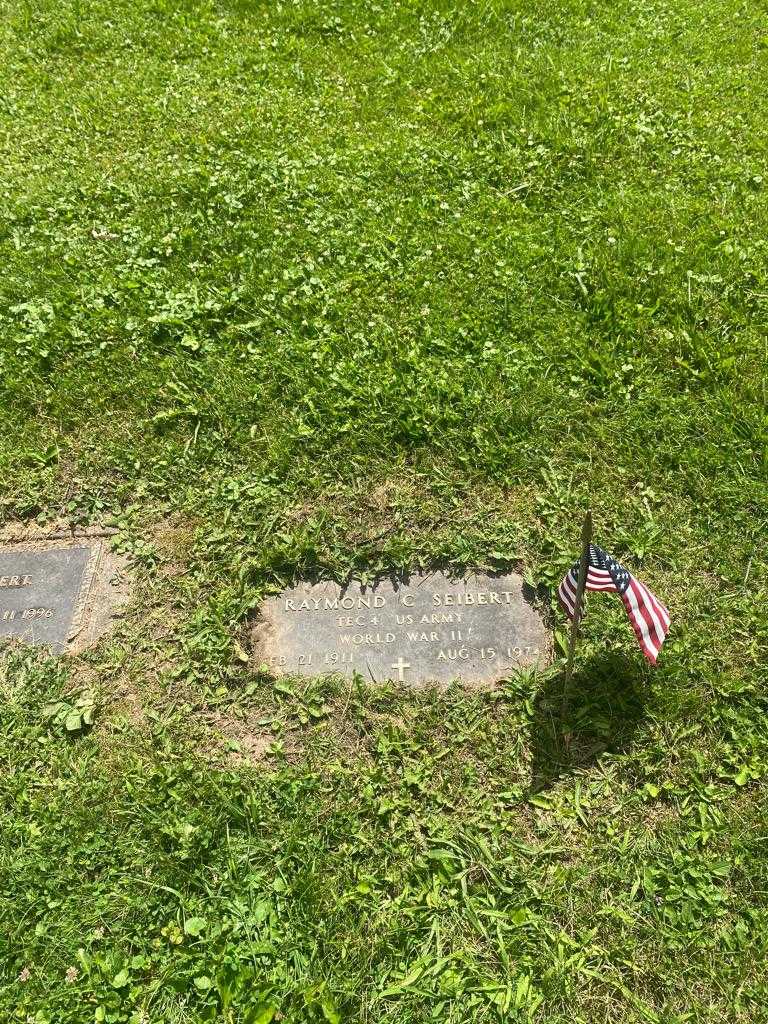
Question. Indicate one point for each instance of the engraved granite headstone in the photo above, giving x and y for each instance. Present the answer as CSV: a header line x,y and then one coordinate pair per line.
x,y
57,594
416,630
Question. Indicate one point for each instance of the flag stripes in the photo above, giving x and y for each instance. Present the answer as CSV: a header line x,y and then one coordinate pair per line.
x,y
650,619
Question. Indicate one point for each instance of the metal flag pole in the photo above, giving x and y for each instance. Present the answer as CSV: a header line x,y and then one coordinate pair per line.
x,y
586,540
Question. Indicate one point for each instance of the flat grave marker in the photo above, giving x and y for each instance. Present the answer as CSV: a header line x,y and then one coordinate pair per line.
x,y
414,630
57,594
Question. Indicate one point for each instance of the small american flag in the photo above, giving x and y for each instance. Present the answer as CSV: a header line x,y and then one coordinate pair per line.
x,y
649,617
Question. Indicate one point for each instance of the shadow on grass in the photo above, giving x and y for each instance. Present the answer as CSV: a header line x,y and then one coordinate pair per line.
x,y
604,704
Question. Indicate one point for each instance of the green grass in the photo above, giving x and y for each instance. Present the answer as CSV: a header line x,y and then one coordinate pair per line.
x,y
328,288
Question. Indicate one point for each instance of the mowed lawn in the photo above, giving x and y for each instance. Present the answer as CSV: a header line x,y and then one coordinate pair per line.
x,y
310,289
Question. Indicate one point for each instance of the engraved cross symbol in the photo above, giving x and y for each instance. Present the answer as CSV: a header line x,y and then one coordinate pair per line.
x,y
400,665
